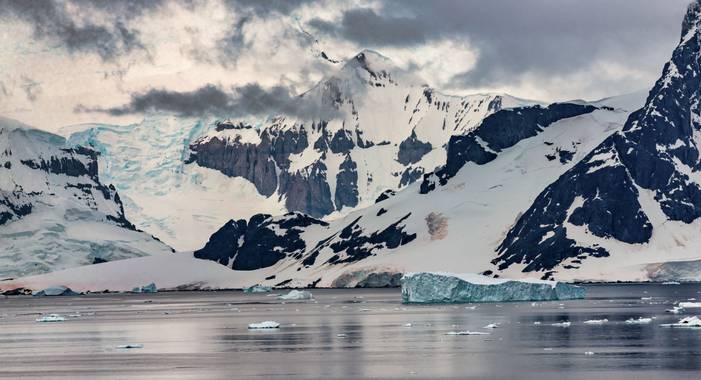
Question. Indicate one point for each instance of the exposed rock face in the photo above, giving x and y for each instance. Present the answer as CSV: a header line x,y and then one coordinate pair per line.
x,y
412,150
259,243
497,132
347,184
255,161
614,192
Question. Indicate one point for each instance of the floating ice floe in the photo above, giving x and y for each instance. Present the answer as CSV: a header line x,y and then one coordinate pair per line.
x,y
257,288
687,322
671,283
150,288
562,324
55,291
675,310
596,321
51,318
491,326
466,333
296,295
130,346
264,325
639,321
436,287
689,305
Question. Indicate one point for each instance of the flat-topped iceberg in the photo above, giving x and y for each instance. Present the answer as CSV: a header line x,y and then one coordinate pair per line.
x,y
436,287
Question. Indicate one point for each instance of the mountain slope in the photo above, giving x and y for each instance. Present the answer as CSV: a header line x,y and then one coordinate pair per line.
x,y
369,127
54,211
451,221
636,198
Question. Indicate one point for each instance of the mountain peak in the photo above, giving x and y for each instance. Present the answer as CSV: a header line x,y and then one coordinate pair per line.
x,y
692,17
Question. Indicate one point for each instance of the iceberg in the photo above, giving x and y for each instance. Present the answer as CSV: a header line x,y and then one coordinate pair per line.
x,y
257,288
56,291
639,321
296,295
150,288
596,321
562,324
688,322
264,325
130,346
466,333
51,318
437,287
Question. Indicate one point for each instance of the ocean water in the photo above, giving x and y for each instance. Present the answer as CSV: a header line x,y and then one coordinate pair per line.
x,y
348,334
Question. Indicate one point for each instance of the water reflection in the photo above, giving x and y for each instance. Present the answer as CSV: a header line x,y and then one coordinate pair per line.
x,y
351,333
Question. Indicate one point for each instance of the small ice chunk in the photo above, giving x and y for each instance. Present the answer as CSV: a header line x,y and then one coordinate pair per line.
x,y
687,322
589,353
639,321
466,333
341,335
51,318
689,305
596,321
675,310
296,295
407,325
257,288
671,283
562,324
430,287
150,288
54,291
264,325
491,326
536,323
130,346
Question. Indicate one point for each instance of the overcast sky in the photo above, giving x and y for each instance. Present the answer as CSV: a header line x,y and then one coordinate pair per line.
x,y
69,62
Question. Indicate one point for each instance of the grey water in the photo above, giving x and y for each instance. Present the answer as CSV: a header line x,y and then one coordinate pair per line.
x,y
348,334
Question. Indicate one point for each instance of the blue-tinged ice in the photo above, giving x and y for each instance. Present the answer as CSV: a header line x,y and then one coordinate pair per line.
x,y
427,287
257,288
56,291
150,288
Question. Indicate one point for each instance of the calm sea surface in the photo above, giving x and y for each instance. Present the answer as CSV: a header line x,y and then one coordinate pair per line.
x,y
348,334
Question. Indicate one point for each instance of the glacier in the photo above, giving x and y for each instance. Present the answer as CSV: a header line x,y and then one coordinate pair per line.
x,y
438,287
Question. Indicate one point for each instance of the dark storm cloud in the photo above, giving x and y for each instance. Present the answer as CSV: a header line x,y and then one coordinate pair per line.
x,y
366,27
52,20
251,99
516,37
266,8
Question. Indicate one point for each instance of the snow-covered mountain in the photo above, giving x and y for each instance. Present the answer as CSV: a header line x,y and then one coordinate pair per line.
x,y
452,220
54,211
369,127
635,198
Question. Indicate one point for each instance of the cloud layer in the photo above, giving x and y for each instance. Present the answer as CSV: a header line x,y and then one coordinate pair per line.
x,y
74,61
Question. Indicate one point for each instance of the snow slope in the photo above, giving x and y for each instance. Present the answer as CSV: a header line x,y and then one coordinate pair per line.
x,y
455,227
54,211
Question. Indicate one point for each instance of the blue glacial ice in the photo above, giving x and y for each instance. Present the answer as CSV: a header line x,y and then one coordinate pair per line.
x,y
257,288
428,287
